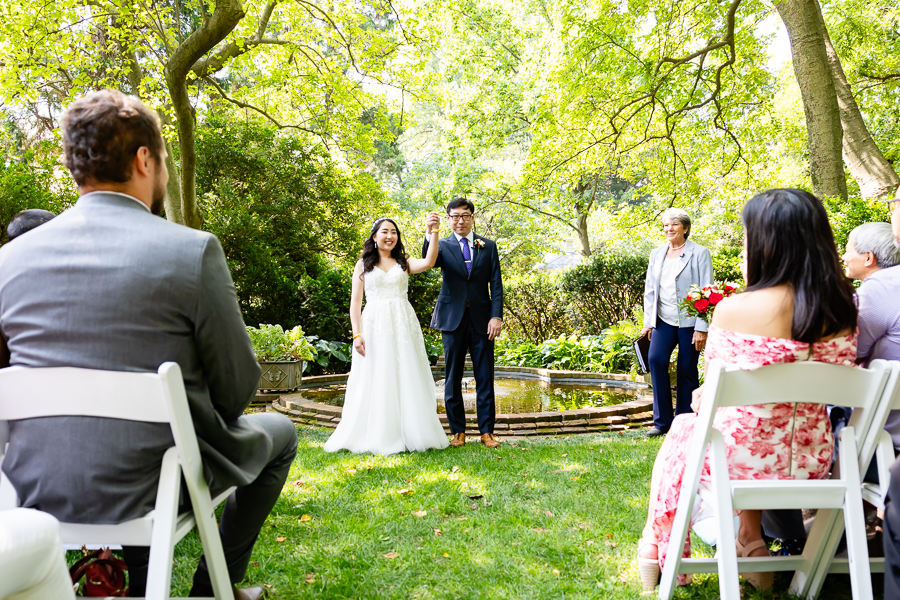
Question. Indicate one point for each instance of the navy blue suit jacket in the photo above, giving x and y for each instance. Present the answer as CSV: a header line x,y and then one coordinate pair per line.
x,y
483,288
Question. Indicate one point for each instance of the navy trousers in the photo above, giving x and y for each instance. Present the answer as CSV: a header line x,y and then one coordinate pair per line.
x,y
662,342
465,340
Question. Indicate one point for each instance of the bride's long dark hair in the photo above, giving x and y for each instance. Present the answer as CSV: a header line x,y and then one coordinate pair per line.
x,y
370,256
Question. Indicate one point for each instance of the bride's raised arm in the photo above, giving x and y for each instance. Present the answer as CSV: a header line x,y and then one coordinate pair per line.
x,y
417,265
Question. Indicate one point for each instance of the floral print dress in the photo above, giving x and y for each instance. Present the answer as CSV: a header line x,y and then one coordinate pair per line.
x,y
771,441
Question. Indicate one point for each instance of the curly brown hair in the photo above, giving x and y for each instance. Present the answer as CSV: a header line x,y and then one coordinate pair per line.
x,y
103,131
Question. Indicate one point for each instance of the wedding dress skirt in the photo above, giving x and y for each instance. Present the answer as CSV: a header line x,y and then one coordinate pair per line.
x,y
390,404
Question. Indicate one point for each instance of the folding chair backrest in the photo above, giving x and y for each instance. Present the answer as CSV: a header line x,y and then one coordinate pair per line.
x,y
27,393
807,382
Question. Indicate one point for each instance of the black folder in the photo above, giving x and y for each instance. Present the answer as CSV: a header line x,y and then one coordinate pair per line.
x,y
642,351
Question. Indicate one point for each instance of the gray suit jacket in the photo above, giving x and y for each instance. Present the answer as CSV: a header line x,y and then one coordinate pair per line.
x,y
696,269
107,285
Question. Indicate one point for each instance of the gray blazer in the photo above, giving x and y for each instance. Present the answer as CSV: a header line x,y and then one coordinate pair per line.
x,y
696,269
107,285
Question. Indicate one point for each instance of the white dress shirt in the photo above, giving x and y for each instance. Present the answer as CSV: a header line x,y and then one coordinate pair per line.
x,y
668,296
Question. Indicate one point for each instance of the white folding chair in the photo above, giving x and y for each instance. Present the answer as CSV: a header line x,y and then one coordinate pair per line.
x,y
806,382
828,527
147,397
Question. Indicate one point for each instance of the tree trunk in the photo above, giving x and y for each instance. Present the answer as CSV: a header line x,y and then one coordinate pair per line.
x,y
223,20
873,173
820,105
581,228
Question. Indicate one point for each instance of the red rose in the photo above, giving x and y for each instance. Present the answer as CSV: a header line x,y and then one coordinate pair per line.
x,y
689,298
715,298
701,305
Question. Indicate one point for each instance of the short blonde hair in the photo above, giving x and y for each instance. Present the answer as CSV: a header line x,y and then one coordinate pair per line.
x,y
678,214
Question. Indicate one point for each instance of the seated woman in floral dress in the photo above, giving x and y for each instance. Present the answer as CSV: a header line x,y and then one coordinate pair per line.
x,y
797,306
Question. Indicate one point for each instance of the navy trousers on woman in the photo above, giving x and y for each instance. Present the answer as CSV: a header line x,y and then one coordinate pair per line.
x,y
662,342
457,343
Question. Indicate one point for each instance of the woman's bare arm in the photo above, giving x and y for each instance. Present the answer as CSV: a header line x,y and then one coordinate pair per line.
x,y
356,299
417,265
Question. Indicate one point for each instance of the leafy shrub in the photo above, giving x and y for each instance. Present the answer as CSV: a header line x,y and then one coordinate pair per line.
x,y
573,353
605,289
727,264
618,345
272,343
329,357
534,309
846,215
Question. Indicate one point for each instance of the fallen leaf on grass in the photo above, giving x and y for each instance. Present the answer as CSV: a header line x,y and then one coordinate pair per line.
x,y
643,458
622,579
488,503
267,586
539,530
370,467
575,478
350,471
609,536
410,480
621,433
280,539
560,471
405,491
476,497
446,555
565,455
462,518
305,518
453,477
589,543
498,457
454,469
297,484
254,563
437,531
391,555
310,578
549,514
516,544
420,513
612,544
556,571
524,474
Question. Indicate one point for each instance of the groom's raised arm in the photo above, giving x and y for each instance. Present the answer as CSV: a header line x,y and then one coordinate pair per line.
x,y
496,285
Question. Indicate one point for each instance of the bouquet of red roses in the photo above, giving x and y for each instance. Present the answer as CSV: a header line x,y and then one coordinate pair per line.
x,y
701,301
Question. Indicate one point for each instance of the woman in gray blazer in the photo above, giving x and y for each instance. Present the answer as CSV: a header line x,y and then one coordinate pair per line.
x,y
673,269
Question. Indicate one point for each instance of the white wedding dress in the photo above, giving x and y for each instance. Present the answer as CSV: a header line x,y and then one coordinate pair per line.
x,y
390,405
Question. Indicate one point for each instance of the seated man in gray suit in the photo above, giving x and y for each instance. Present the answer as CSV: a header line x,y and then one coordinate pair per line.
x,y
109,285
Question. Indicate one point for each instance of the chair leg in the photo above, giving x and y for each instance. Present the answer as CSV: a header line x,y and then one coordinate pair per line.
x,y
212,545
857,550
821,545
162,540
729,583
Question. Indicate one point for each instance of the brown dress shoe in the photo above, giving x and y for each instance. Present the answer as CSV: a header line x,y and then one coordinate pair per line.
x,y
489,440
459,439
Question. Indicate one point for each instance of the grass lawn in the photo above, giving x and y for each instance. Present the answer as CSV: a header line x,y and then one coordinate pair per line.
x,y
541,518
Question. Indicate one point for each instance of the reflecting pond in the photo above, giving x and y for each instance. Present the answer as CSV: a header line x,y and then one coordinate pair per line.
x,y
512,396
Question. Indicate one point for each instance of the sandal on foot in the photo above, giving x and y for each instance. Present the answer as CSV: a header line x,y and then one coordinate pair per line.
x,y
648,568
761,581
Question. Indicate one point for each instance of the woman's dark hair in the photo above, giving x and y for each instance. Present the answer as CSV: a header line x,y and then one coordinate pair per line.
x,y
461,202
370,256
790,241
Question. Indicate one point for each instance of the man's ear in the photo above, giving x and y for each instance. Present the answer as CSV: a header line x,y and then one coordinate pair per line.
x,y
871,261
142,161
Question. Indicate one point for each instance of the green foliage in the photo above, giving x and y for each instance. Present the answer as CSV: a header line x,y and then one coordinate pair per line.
x,y
329,357
280,207
846,215
30,182
534,308
618,344
727,264
573,353
272,343
605,289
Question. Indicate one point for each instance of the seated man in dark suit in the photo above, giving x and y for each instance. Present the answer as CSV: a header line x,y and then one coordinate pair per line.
x,y
121,289
27,220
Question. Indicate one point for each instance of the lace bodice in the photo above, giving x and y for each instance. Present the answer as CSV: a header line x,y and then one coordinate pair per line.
x,y
390,285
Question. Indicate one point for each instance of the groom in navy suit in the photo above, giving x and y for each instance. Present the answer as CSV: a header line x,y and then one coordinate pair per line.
x,y
468,316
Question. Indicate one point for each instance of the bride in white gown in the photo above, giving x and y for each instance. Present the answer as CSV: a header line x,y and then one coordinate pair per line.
x,y
390,405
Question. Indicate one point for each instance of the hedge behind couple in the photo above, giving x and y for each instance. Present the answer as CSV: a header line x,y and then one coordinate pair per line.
x,y
390,404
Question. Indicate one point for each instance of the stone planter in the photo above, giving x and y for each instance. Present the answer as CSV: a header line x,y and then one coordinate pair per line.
x,y
280,376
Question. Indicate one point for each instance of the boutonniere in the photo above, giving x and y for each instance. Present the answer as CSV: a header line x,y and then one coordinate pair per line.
x,y
479,243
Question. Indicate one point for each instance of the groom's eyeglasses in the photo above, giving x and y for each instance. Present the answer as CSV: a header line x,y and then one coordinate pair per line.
x,y
463,218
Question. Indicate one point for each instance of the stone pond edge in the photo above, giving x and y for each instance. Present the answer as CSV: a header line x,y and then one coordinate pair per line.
x,y
627,415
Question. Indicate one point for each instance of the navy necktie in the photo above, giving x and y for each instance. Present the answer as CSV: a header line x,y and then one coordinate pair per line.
x,y
467,255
